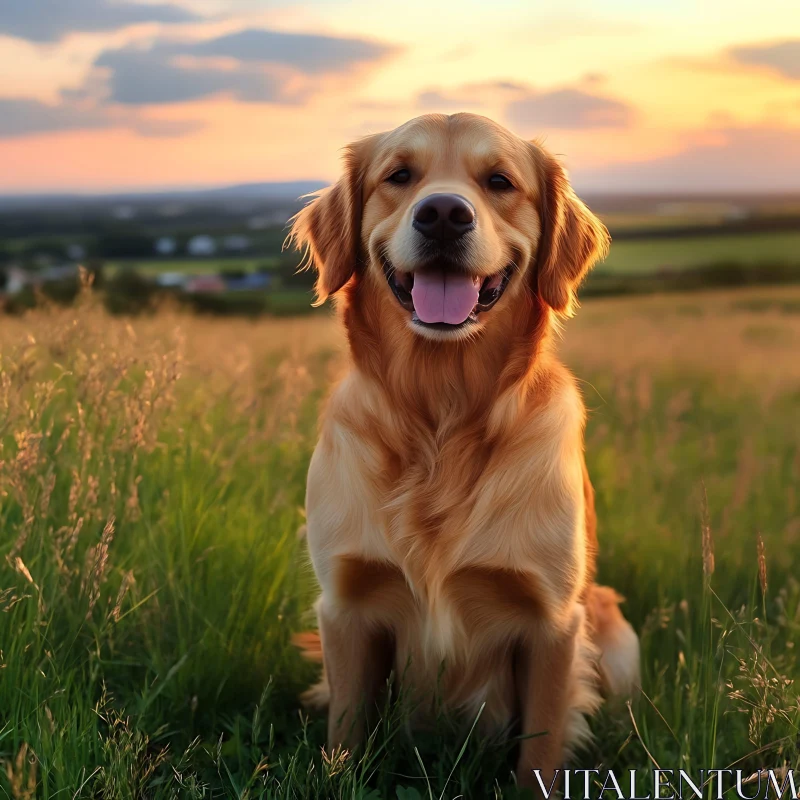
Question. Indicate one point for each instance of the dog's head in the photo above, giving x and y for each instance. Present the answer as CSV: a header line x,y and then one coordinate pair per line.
x,y
451,220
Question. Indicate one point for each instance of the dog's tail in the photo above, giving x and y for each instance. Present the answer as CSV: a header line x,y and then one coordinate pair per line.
x,y
616,640
310,645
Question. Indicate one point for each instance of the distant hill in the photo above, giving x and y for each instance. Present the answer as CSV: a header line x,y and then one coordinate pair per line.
x,y
279,191
271,191
249,197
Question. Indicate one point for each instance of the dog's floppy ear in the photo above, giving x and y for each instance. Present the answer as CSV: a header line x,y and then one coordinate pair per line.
x,y
573,239
329,227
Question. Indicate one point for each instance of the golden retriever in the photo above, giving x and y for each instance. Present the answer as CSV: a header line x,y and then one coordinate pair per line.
x,y
450,515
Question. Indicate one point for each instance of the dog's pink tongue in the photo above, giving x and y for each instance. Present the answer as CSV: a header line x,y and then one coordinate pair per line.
x,y
444,296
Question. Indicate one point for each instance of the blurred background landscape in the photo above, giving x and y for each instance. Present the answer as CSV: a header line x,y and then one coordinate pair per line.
x,y
220,251
163,146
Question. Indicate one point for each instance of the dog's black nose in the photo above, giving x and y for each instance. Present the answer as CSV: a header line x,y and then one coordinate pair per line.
x,y
445,217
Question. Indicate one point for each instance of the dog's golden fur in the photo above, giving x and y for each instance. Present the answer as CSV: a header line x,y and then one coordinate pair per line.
x,y
450,514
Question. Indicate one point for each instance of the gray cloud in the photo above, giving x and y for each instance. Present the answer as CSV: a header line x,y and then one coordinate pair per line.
x,y
306,52
150,78
749,159
50,20
20,117
24,117
468,95
530,111
782,57
170,71
568,109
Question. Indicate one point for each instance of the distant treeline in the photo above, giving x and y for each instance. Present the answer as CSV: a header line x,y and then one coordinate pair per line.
x,y
129,292
124,241
720,274
774,224
84,221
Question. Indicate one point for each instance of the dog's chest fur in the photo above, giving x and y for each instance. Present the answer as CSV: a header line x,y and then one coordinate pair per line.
x,y
455,535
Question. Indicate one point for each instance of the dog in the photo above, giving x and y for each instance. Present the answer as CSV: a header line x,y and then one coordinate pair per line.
x,y
450,515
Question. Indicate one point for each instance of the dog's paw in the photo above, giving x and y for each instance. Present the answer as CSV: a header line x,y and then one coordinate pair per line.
x,y
317,697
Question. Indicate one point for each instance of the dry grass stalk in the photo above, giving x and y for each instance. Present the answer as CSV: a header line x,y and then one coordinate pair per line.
x,y
708,539
127,581
762,564
96,566
22,774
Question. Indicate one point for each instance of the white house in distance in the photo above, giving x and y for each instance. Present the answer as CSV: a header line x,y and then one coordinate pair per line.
x,y
201,246
76,252
16,280
172,280
236,243
269,219
166,246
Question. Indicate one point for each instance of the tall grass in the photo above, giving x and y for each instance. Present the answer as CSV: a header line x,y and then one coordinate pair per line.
x,y
151,488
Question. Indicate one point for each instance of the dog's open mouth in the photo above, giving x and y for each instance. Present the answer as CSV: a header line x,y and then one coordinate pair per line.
x,y
445,300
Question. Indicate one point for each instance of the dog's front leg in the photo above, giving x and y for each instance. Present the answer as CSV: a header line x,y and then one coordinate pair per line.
x,y
357,659
543,670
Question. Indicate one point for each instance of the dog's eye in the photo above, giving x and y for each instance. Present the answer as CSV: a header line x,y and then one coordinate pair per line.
x,y
401,176
499,183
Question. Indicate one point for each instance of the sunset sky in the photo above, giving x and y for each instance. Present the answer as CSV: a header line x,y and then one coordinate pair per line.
x,y
657,95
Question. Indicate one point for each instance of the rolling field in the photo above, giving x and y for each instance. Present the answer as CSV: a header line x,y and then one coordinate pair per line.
x,y
629,257
192,266
153,569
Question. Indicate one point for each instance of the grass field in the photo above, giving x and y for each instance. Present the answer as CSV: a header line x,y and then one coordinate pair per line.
x,y
193,266
151,489
649,255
